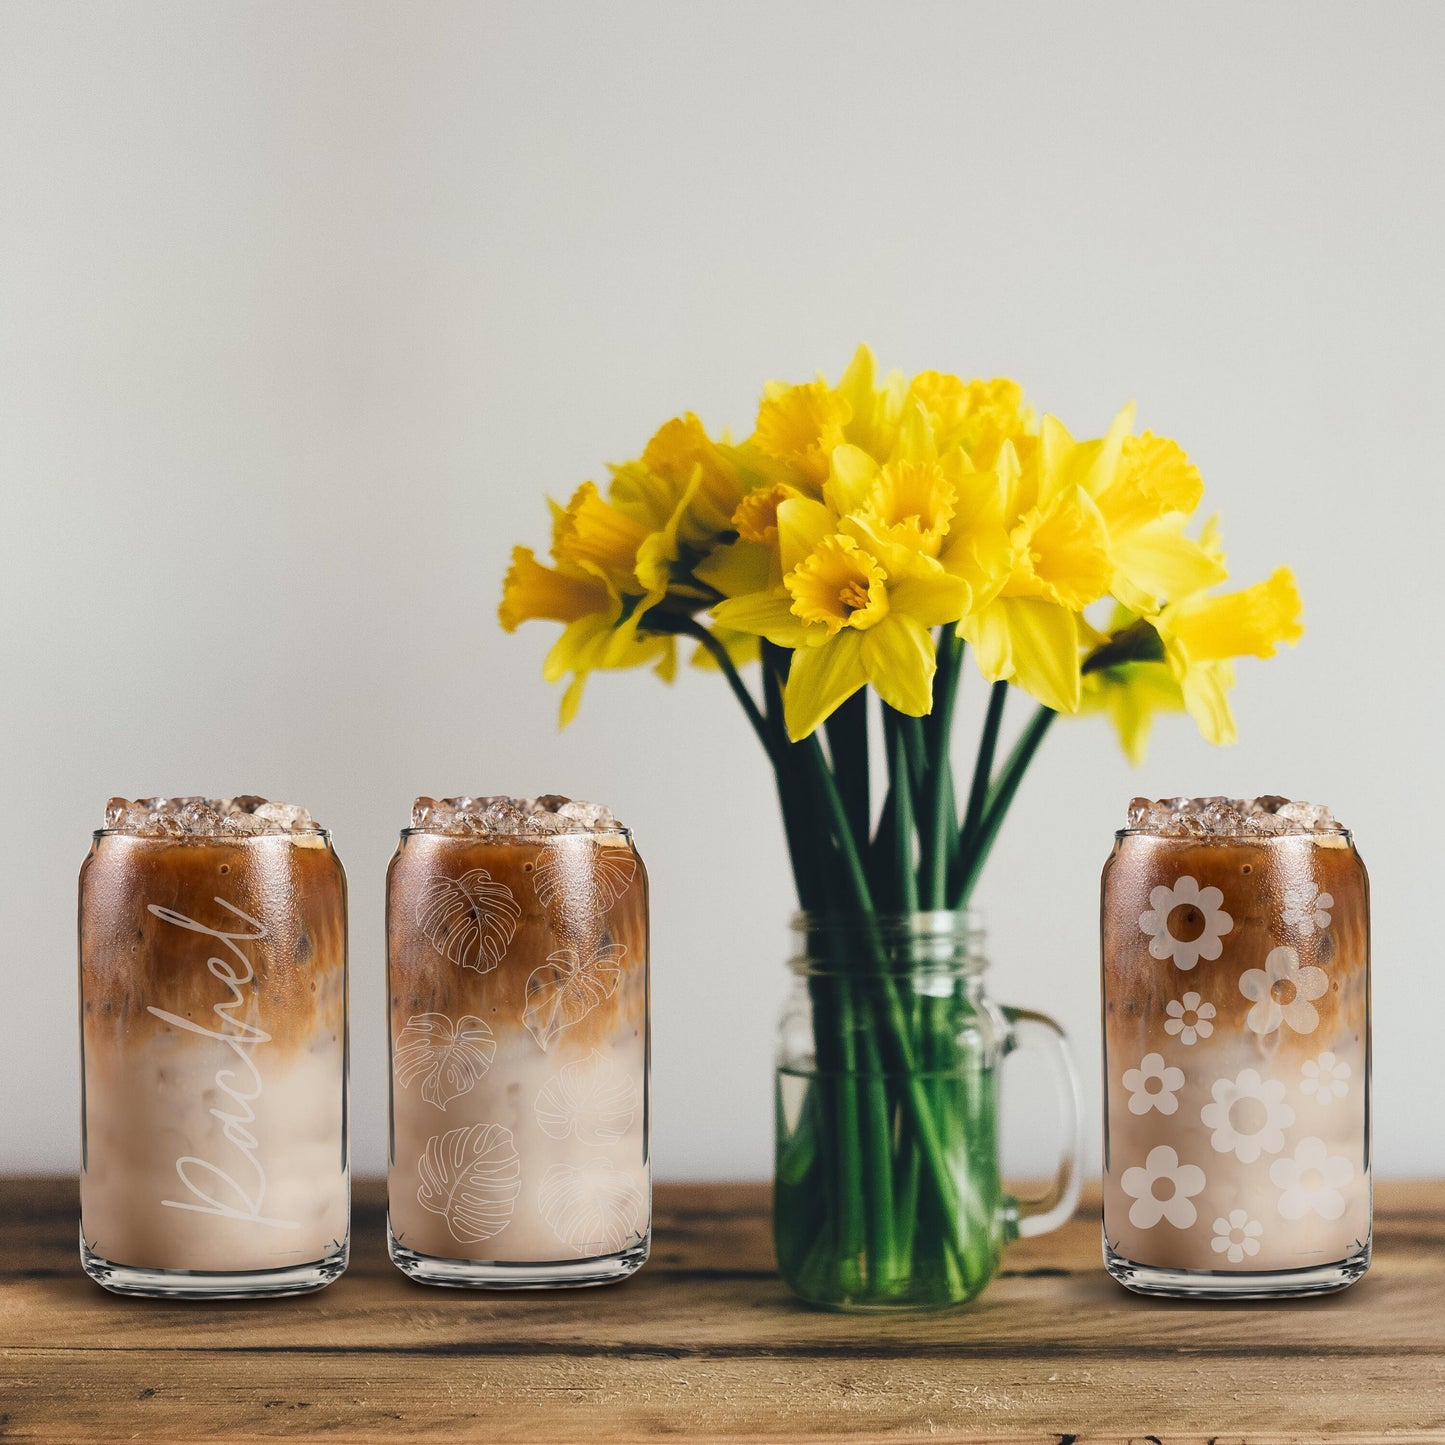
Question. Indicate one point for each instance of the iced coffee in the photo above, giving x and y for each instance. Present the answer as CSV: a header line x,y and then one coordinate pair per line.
x,y
213,1050
517,949
1236,998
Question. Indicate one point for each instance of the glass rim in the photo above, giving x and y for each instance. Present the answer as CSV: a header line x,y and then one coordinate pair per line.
x,y
929,922
615,830
290,836
1339,831
933,942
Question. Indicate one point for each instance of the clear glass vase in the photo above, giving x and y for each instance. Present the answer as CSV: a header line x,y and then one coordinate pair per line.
x,y
888,1193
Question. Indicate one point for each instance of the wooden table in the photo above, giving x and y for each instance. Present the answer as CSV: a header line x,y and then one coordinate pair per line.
x,y
706,1343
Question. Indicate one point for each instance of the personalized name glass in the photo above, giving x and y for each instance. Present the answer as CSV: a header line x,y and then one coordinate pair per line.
x,y
517,954
213,1050
1236,980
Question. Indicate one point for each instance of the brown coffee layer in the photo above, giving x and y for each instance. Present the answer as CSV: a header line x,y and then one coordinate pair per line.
x,y
1254,878
282,900
577,902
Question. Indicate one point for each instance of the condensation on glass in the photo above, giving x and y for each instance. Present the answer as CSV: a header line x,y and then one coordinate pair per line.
x,y
214,1064
1236,1011
518,1002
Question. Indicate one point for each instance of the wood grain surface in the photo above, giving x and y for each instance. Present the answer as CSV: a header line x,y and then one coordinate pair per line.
x,y
705,1343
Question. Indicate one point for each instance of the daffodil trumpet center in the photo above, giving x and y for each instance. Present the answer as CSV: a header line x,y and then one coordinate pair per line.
x,y
839,585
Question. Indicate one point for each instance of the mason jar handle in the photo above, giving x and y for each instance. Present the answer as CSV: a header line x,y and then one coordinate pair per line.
x,y
1056,1205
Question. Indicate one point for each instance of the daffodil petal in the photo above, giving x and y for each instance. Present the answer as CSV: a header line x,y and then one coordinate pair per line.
x,y
930,596
802,524
820,680
1132,695
766,614
899,661
575,650
1158,562
850,478
1205,688
1043,642
1253,621
737,569
986,631
915,436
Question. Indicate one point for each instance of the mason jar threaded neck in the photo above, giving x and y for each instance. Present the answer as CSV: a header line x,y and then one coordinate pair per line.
x,y
941,940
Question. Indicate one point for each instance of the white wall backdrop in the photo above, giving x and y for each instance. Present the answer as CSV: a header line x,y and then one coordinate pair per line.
x,y
303,308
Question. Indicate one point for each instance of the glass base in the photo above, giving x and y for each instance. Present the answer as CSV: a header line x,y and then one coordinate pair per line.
x,y
511,1274
198,1284
1219,1284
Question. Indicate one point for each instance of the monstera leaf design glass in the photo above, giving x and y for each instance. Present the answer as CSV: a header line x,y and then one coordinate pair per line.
x,y
471,1176
592,1208
568,987
594,879
590,1100
447,1057
470,920
517,970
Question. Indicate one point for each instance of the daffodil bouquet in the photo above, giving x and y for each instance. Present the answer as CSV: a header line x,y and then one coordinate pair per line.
x,y
868,538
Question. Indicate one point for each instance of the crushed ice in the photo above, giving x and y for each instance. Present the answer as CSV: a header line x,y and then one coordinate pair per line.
x,y
551,813
1265,817
241,817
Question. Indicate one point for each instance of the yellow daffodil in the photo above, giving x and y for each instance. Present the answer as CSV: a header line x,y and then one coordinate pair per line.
x,y
911,496
1029,593
855,608
799,426
1182,660
1146,489
979,416
593,589
857,516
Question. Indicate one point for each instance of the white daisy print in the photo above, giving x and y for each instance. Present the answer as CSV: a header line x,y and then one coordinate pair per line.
x,y
1153,1085
1162,1189
1236,1236
1283,993
1248,1115
1311,1181
1326,1077
1189,1018
1307,907
1185,923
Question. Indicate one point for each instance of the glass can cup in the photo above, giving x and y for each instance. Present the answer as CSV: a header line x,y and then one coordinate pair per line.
x,y
1236,1014
213,1011
518,1000
888,1193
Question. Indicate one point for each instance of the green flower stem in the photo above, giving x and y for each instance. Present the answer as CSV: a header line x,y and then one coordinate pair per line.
x,y
848,743
916,749
942,822
978,845
895,1020
901,806
983,764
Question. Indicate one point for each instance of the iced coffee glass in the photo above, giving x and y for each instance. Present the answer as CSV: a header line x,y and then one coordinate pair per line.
x,y
213,1050
1236,979
517,955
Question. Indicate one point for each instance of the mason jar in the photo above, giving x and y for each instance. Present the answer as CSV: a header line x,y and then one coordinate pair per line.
x,y
1236,993
213,1004
888,1191
518,1002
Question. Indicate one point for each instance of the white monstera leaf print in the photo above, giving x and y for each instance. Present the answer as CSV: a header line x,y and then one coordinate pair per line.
x,y
591,1100
471,920
593,1208
565,989
471,1176
447,1057
591,877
